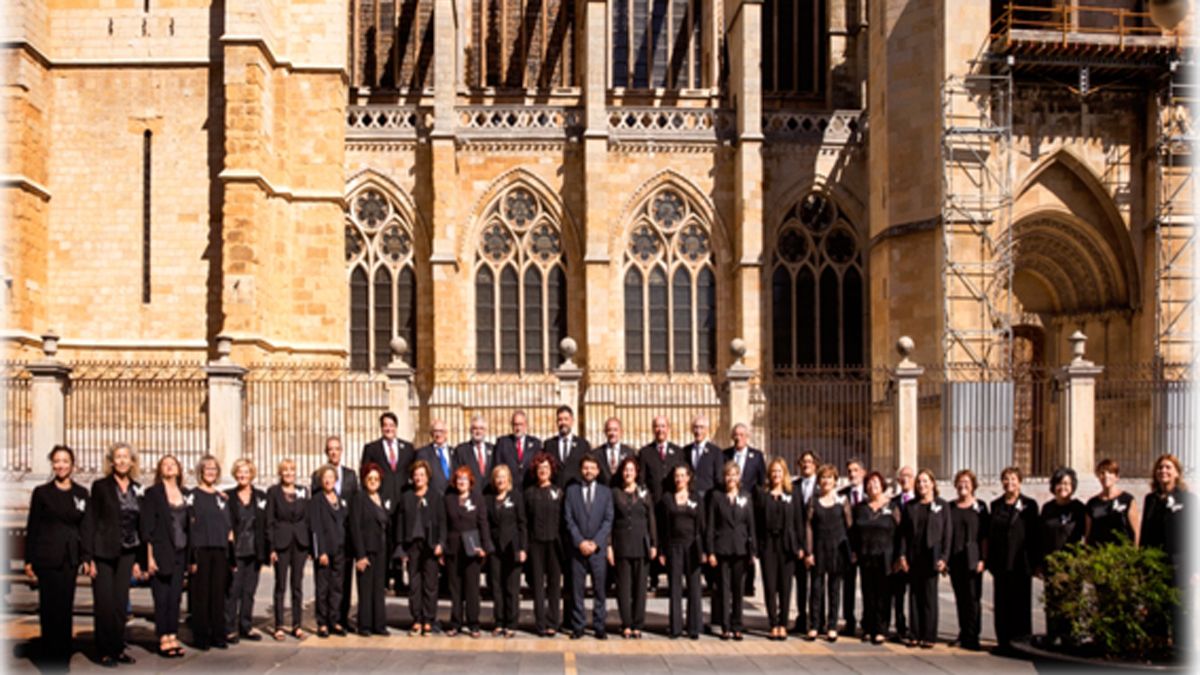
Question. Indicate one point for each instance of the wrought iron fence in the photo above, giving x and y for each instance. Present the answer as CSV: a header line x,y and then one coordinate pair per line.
x,y
291,410
157,407
637,398
1143,411
18,419
456,394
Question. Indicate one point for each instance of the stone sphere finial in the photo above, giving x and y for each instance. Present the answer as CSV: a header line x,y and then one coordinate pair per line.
x,y
1167,14
50,343
399,348
568,347
737,346
905,346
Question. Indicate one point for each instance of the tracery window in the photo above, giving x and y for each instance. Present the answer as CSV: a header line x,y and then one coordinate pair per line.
x,y
383,284
656,44
391,44
520,286
817,289
794,38
522,44
670,288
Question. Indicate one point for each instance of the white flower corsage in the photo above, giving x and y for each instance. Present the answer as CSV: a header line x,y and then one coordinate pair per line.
x,y
387,504
262,504
936,508
553,494
1175,508
139,490
468,506
1020,506
787,499
80,504
741,502
692,505
189,499
508,503
1118,507
641,493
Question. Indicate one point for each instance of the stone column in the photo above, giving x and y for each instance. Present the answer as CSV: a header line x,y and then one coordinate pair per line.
x,y
737,382
905,376
399,385
48,400
1077,408
569,374
226,412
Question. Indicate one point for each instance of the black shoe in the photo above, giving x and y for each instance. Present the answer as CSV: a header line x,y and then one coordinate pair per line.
x,y
231,639
364,632
108,662
124,657
253,637
694,636
601,635
577,635
221,645
339,631
385,632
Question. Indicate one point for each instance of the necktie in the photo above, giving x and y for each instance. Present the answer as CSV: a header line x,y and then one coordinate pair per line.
x,y
391,454
445,464
588,497
479,458
520,448
564,447
696,458
741,460
854,495
662,452
612,458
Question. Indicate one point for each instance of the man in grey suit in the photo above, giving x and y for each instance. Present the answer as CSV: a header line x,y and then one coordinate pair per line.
x,y
589,515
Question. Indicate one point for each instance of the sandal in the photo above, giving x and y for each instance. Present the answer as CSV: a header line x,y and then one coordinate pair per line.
x,y
426,629
497,631
298,632
279,635
416,630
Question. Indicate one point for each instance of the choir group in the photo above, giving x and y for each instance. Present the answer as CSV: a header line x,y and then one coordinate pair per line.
x,y
560,511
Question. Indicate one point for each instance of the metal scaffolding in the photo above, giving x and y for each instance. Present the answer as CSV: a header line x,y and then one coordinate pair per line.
x,y
1175,232
977,237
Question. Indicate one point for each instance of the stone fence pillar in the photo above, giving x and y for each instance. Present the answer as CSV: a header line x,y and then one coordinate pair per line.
x,y
569,375
905,377
48,400
1077,410
399,385
737,399
226,410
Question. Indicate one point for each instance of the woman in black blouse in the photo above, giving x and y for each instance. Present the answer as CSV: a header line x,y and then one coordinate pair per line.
x,y
211,532
370,518
680,522
1063,521
248,513
421,534
52,552
467,545
968,550
327,514
1165,522
924,551
780,543
112,543
634,542
506,523
872,540
1112,513
1011,553
731,548
543,513
828,545
288,538
165,530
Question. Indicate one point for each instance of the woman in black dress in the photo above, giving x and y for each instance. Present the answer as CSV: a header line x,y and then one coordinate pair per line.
x,y
968,550
467,544
248,512
506,523
634,542
680,521
1063,521
112,544
924,552
543,513
828,545
1113,513
1011,554
1165,523
421,535
52,552
288,539
211,530
780,543
327,515
370,518
731,548
165,530
872,542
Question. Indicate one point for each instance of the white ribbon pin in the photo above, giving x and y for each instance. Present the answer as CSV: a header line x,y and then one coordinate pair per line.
x,y
1119,507
787,499
262,504
468,506
553,494
741,502
936,508
387,504
641,493
139,490
80,504
691,504
189,499
1020,506
299,492
508,503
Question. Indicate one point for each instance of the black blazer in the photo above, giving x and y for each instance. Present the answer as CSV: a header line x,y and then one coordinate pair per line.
x,y
434,532
506,453
328,526
754,473
287,523
349,483
157,526
258,504
935,544
708,473
393,482
52,531
656,471
1012,536
466,517
506,523
369,524
790,529
607,476
439,483
101,528
543,513
682,527
568,471
464,455
970,529
730,528
634,531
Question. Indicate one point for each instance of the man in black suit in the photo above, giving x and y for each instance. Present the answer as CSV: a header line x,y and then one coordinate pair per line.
x,y
805,488
517,450
905,481
345,487
567,449
588,513
656,465
856,493
749,460
393,455
478,455
439,457
611,453
705,458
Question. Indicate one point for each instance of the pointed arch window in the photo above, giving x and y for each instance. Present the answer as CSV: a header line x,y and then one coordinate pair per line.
x,y
670,288
519,261
383,284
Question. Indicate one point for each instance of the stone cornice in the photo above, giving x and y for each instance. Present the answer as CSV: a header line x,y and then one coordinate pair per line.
x,y
282,191
27,184
279,61
140,62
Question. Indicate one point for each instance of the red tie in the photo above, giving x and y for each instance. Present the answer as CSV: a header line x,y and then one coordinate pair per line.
x,y
520,449
662,453
479,455
391,455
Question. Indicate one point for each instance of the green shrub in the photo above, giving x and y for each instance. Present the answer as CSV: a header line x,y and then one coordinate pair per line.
x,y
1115,598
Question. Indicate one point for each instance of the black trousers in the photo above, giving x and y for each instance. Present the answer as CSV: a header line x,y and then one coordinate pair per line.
x,y
506,588
899,585
239,600
968,589
372,585
56,603
824,596
208,596
347,589
778,568
329,589
110,594
732,587
876,594
684,568
802,578
422,583
595,565
849,577
924,589
167,590
464,591
1013,613
631,592
545,578
289,568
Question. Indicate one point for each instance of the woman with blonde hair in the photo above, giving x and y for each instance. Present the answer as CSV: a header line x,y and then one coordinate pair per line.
x,y
1165,526
780,543
506,524
165,530
212,532
288,541
828,553
248,514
